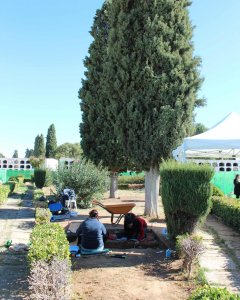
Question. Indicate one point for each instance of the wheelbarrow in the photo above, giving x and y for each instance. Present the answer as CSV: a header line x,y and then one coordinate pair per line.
x,y
121,209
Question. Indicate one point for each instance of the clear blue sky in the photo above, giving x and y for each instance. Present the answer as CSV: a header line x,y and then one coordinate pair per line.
x,y
42,47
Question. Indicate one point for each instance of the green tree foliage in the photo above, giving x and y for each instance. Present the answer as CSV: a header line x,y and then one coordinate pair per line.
x,y
15,154
87,180
199,128
2,155
39,146
28,153
51,143
68,150
98,139
186,195
150,81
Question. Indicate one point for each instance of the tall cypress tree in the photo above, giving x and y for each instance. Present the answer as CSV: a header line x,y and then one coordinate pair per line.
x,y
150,80
51,143
98,139
39,146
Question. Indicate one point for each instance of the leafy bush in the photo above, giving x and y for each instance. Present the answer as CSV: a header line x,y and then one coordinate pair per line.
x,y
12,185
54,282
228,210
216,191
20,179
42,215
186,195
137,179
87,180
4,191
49,178
39,177
189,247
48,241
213,293
37,194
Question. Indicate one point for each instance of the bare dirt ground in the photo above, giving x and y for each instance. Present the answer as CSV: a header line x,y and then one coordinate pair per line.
x,y
143,274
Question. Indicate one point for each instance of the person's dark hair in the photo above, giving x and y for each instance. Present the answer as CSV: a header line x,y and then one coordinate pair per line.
x,y
236,176
93,213
129,218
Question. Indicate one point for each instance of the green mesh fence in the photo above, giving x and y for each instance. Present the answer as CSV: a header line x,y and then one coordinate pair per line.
x,y
224,181
25,173
3,176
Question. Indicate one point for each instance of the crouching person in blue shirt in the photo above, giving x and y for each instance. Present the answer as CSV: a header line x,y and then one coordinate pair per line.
x,y
91,233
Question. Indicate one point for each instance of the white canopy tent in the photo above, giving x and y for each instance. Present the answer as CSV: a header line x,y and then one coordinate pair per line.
x,y
221,141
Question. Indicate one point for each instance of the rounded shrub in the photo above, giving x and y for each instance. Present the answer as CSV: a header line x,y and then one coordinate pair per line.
x,y
39,177
87,180
42,215
186,195
48,241
213,293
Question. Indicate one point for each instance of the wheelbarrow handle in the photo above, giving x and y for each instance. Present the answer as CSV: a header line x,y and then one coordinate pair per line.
x,y
98,203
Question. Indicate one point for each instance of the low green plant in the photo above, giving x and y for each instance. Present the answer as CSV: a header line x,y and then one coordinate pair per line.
x,y
37,194
48,241
212,293
216,191
228,210
4,192
39,177
42,215
87,180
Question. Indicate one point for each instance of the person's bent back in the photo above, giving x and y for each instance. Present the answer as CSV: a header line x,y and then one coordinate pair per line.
x,y
92,232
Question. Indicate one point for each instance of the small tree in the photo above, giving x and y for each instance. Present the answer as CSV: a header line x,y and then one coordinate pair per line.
x,y
51,143
15,154
186,195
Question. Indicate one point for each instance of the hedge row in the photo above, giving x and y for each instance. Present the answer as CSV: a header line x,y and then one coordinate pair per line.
x,y
4,191
228,210
186,195
42,215
213,293
137,179
48,241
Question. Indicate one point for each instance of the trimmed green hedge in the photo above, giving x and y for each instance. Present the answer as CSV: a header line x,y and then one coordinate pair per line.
x,y
48,241
186,195
228,210
4,191
39,177
212,293
137,179
42,215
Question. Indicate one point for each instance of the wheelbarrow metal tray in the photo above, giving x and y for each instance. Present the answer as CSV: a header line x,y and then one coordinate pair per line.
x,y
121,208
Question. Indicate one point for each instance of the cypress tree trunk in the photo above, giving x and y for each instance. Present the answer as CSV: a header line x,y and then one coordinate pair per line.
x,y
152,181
113,185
